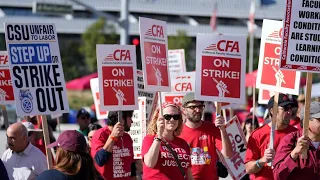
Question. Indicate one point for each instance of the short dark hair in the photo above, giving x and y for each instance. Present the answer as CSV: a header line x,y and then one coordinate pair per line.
x,y
113,117
94,127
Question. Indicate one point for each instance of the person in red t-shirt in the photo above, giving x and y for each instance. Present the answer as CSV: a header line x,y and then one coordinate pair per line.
x,y
112,150
288,163
258,151
203,138
158,160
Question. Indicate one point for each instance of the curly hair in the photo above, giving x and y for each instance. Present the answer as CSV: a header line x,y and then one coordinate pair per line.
x,y
152,126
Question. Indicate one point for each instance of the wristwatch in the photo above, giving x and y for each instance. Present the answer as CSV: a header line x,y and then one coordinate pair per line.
x,y
157,138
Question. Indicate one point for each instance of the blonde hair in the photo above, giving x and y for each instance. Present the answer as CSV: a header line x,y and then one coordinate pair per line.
x,y
152,126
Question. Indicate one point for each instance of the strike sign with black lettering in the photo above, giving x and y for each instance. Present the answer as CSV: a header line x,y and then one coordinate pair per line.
x,y
6,89
269,75
117,76
220,68
36,69
177,61
154,52
300,42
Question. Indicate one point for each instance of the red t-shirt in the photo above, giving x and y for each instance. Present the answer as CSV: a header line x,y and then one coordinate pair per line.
x,y
295,122
166,167
258,143
119,165
203,142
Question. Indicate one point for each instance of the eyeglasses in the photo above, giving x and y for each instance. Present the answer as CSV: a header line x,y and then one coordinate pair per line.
x,y
194,107
286,108
169,116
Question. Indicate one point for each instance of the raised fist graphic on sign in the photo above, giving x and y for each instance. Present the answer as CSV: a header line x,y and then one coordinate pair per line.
x,y
279,77
222,88
158,76
3,95
120,96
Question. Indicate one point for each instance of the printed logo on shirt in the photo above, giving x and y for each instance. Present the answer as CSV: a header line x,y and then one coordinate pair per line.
x,y
169,159
203,137
118,154
200,156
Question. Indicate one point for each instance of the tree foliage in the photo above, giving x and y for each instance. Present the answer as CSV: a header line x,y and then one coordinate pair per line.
x,y
98,33
182,41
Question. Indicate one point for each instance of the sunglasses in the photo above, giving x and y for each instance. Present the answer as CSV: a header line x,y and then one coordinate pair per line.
x,y
195,107
169,116
286,108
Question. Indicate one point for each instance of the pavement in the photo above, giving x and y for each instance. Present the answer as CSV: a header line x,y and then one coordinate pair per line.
x,y
63,127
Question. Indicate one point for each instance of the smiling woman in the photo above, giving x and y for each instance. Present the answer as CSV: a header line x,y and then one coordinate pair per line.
x,y
166,156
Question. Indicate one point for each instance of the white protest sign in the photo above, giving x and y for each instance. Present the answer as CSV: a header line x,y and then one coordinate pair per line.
x,y
154,53
300,42
174,97
138,129
152,98
269,76
264,96
54,116
220,68
94,84
6,89
235,164
183,82
177,60
117,76
36,69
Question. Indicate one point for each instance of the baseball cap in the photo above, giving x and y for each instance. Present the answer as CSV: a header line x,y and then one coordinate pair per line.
x,y
30,127
189,97
283,101
314,110
83,112
70,140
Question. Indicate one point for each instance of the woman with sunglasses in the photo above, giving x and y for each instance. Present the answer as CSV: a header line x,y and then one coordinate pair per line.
x,y
159,162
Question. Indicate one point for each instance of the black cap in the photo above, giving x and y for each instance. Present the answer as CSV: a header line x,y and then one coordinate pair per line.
x,y
83,112
283,101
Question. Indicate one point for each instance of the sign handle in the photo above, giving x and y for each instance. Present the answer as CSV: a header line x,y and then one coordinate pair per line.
x,y
253,106
5,116
307,110
218,108
160,103
224,112
119,120
46,140
273,122
58,123
231,112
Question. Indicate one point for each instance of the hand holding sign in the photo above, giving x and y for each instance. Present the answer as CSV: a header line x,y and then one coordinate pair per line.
x,y
160,126
222,88
279,77
120,96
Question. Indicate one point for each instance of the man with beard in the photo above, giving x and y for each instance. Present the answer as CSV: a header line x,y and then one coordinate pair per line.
x,y
22,160
203,138
258,152
112,149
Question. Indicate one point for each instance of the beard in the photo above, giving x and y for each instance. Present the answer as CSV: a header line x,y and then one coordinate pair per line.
x,y
194,118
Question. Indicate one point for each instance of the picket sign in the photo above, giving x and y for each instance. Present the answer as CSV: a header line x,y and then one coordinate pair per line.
x,y
235,164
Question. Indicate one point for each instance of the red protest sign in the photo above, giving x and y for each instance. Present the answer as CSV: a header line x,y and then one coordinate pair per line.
x,y
269,75
6,89
172,97
117,77
154,52
220,71
156,64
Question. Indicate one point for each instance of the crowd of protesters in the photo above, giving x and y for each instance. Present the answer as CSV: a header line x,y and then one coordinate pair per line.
x,y
181,143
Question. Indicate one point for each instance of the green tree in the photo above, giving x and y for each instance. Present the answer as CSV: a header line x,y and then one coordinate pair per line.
x,y
98,33
182,41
